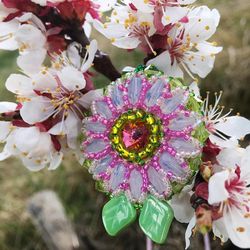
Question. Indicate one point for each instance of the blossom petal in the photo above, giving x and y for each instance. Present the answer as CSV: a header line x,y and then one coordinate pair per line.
x,y
5,154
110,30
87,99
27,139
37,110
44,81
234,126
238,227
164,63
56,160
6,107
143,6
37,58
73,54
29,35
217,191
5,128
230,157
71,78
189,231
19,85
207,48
223,143
33,164
9,29
127,42
219,230
173,14
202,23
184,2
91,51
199,63
183,211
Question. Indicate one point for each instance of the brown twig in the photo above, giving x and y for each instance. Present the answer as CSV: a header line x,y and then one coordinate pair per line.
x,y
102,62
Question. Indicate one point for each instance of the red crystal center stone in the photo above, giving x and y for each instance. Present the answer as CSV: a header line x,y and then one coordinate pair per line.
x,y
135,135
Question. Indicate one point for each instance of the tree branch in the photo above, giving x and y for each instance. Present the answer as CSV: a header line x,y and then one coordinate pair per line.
x,y
102,62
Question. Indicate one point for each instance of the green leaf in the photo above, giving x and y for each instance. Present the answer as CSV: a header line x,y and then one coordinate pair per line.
x,y
155,219
117,214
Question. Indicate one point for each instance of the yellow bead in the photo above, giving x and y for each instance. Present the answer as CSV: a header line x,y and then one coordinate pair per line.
x,y
115,130
116,139
143,154
155,128
149,148
131,117
132,156
119,123
153,139
150,119
140,113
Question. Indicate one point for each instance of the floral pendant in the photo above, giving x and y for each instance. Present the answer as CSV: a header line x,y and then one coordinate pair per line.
x,y
144,144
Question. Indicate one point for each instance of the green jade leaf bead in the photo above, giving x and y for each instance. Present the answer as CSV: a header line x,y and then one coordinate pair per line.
x,y
117,214
155,219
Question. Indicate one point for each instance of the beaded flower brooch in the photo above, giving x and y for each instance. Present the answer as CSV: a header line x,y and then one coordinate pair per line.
x,y
144,144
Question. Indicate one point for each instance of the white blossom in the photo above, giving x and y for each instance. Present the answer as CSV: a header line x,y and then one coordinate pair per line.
x,y
56,94
127,28
225,130
187,46
23,34
33,146
229,189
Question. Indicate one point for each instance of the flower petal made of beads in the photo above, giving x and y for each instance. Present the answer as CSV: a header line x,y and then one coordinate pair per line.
x,y
117,176
169,105
134,90
170,164
96,146
154,92
135,183
185,147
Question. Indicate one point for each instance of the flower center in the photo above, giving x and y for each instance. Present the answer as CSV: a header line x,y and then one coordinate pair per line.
x,y
136,135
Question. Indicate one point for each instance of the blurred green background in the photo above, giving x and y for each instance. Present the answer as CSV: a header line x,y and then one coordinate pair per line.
x,y
74,185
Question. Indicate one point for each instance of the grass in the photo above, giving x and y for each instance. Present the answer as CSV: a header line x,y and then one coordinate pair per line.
x,y
74,185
